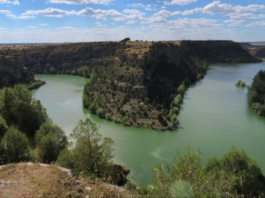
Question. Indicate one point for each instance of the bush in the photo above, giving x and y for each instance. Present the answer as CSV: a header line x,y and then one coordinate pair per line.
x,y
91,154
50,139
16,146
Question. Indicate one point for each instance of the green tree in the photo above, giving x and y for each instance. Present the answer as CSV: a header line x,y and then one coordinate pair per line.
x,y
50,140
16,146
181,89
91,153
52,70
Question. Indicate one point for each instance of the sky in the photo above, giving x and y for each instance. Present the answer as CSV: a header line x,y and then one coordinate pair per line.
x,y
57,21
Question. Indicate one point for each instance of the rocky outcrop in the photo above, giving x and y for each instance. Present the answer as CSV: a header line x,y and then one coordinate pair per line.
x,y
12,72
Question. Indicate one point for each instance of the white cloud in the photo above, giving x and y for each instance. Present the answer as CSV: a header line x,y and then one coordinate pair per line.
x,y
4,1
50,12
233,23
16,2
99,24
246,16
65,28
187,12
255,24
136,5
5,12
42,24
165,13
163,7
181,2
31,27
79,2
217,7
12,16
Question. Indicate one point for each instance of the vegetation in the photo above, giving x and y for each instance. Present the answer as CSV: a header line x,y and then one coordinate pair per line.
x,y
50,140
240,84
256,93
235,174
90,154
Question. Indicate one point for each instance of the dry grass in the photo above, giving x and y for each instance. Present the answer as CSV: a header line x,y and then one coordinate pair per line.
x,y
21,180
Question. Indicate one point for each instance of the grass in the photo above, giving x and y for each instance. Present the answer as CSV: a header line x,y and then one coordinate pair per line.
x,y
49,181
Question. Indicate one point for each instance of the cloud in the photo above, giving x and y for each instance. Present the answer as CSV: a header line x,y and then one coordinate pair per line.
x,y
79,2
5,12
255,24
165,13
217,7
180,2
149,7
246,16
31,27
50,12
16,2
12,16
233,23
4,1
99,24
42,24
136,5
65,28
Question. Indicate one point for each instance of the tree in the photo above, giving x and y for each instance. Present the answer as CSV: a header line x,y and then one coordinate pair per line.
x,y
50,139
16,145
52,70
91,153
181,89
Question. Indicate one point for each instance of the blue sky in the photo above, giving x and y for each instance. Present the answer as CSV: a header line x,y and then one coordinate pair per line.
x,y
39,21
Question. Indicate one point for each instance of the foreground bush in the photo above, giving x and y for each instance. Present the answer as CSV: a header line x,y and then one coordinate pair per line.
x,y
91,154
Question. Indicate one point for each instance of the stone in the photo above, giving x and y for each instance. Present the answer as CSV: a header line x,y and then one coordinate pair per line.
x,y
88,188
29,164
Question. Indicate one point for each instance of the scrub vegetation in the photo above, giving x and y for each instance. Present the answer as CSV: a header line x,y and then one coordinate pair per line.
x,y
256,93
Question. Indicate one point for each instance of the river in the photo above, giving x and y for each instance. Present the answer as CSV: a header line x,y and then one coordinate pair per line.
x,y
213,118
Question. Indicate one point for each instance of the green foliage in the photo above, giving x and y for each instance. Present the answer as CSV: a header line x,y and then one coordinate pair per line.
x,y
73,72
16,146
240,84
235,174
181,189
83,71
18,108
36,85
50,139
124,120
52,70
181,89
256,93
93,107
91,154
100,113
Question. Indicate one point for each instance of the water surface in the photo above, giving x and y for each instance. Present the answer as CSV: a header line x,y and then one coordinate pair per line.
x,y
213,118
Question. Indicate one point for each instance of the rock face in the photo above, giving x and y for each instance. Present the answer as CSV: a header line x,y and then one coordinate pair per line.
x,y
136,82
12,72
260,52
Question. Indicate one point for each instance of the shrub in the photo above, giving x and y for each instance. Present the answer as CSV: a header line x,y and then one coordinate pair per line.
x,y
50,139
91,154
16,146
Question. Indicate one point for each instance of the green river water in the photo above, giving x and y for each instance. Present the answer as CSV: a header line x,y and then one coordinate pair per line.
x,y
213,118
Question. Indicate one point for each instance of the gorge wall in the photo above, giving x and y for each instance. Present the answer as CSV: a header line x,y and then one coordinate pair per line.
x,y
134,83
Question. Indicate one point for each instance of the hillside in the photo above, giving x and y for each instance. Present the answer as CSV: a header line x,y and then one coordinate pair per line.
x,y
43,180
134,83
12,72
